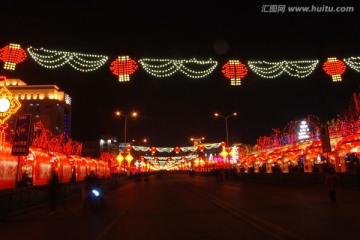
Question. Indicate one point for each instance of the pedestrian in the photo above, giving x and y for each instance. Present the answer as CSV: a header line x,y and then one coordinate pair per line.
x,y
331,182
54,191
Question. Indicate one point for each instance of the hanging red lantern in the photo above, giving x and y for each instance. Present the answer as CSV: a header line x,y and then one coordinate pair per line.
x,y
123,66
201,148
223,144
334,67
12,55
128,148
177,150
153,150
235,71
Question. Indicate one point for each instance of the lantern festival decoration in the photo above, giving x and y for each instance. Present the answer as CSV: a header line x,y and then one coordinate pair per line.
x,y
177,150
201,148
128,148
235,71
11,55
123,67
334,67
153,150
8,106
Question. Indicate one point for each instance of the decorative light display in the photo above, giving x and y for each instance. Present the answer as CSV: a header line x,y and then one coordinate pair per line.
x,y
8,104
353,62
334,67
177,150
128,148
153,150
304,132
123,66
79,61
299,69
3,127
235,71
167,67
12,55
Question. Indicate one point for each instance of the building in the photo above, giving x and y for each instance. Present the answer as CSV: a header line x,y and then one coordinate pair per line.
x,y
46,103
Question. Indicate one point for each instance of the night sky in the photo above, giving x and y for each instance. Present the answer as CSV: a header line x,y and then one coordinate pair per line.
x,y
175,108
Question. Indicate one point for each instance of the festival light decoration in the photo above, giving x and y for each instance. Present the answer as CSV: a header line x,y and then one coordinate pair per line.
x,y
123,66
128,148
79,61
201,148
153,150
177,150
129,158
353,62
334,67
235,71
8,104
12,55
304,131
167,67
299,69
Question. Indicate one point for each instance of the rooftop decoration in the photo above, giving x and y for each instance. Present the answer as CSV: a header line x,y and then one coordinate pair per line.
x,y
79,61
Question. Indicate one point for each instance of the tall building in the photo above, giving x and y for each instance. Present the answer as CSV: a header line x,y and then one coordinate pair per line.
x,y
46,103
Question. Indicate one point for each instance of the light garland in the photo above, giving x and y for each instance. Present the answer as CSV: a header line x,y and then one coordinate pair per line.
x,y
167,67
79,61
353,62
175,149
299,69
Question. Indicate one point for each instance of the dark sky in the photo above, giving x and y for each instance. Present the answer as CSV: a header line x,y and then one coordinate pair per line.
x,y
175,108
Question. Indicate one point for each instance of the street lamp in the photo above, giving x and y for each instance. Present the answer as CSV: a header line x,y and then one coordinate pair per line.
x,y
226,124
118,113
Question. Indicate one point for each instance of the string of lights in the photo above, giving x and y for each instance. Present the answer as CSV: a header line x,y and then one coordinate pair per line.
x,y
353,62
299,69
167,67
79,61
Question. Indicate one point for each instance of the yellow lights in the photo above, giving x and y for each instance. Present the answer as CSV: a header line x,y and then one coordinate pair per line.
x,y
129,158
120,158
353,62
133,114
224,153
299,69
9,104
79,61
167,67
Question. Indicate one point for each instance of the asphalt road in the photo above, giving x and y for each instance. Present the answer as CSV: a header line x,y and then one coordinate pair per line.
x,y
179,206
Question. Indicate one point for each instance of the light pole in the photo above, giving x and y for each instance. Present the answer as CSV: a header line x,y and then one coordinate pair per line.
x,y
118,113
226,124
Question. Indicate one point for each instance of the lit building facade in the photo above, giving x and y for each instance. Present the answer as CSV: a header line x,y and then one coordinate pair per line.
x,y
46,103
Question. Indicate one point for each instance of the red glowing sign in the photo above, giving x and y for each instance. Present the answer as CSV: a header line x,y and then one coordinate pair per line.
x,y
12,55
235,71
334,68
123,67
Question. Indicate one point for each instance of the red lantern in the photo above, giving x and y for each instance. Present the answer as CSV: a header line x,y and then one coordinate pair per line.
x,y
223,144
177,150
12,55
128,148
153,150
123,67
235,71
335,68
201,148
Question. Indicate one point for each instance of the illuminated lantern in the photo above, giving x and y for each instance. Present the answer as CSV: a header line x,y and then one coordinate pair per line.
x,y
128,148
129,158
177,150
334,67
153,150
223,144
12,55
119,158
201,148
235,71
123,66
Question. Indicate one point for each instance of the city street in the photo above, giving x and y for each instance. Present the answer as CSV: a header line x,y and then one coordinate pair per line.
x,y
180,206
